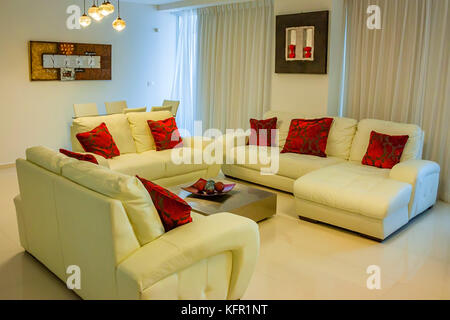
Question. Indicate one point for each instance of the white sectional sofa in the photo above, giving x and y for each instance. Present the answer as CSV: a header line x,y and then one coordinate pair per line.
x,y
75,213
137,149
338,189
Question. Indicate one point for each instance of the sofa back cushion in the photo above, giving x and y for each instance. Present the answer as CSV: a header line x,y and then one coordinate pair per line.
x,y
413,147
47,158
141,131
340,136
117,125
129,190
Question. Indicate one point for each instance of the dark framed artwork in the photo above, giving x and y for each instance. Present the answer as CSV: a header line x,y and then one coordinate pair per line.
x,y
65,61
302,43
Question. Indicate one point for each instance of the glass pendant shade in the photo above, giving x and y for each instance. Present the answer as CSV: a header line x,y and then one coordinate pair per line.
x,y
119,24
85,21
106,8
94,12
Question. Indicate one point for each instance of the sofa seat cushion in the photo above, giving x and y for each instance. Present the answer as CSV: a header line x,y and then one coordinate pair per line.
x,y
174,168
117,125
291,165
153,165
144,164
355,188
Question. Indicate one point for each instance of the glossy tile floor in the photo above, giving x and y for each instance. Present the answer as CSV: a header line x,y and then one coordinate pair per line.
x,y
298,259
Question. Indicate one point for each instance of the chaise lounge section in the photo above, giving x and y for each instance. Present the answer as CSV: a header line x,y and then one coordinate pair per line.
x,y
341,191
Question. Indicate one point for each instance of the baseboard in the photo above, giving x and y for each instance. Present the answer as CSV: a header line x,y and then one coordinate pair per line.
x,y
7,165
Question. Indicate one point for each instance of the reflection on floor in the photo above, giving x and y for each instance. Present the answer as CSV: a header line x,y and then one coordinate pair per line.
x,y
298,259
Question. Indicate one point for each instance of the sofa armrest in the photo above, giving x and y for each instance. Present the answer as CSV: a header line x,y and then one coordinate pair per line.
x,y
188,244
423,176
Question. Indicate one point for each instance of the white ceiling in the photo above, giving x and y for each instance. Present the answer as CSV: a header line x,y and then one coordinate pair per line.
x,y
174,5
154,2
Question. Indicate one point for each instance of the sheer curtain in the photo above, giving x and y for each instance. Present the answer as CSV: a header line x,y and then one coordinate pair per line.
x,y
184,84
401,72
235,54
224,64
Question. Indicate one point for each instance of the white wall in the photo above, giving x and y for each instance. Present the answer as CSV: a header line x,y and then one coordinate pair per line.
x,y
306,93
40,113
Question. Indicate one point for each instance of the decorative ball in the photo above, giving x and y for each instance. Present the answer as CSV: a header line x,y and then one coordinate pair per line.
x,y
219,186
209,187
200,185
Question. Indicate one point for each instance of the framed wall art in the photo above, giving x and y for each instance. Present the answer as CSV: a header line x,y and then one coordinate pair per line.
x,y
302,43
69,61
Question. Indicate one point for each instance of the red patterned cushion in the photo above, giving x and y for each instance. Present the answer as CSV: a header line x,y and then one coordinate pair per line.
x,y
261,132
79,156
99,141
172,210
165,133
308,136
384,151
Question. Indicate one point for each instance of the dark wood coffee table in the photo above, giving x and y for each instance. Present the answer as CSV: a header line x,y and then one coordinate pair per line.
x,y
243,200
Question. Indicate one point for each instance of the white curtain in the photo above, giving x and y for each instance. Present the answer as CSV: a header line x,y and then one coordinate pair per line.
x,y
235,63
402,72
184,84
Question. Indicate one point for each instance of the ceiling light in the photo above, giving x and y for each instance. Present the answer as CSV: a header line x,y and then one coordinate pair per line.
x,y
119,24
94,12
106,8
85,21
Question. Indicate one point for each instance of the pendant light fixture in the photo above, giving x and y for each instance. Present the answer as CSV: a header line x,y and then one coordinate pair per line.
x,y
119,24
94,12
106,8
85,21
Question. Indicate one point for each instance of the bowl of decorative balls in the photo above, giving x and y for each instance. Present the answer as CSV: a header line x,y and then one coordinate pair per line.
x,y
209,188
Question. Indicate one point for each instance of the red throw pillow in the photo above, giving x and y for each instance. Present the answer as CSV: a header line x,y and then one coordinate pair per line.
x,y
261,132
79,156
308,136
172,210
99,141
384,151
165,133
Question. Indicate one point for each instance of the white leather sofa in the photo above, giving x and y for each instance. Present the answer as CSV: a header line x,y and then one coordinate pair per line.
x,y
338,189
73,212
138,155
